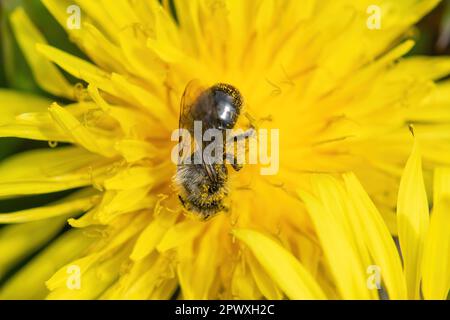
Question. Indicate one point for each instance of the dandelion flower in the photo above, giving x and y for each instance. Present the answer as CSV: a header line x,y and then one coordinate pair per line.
x,y
341,96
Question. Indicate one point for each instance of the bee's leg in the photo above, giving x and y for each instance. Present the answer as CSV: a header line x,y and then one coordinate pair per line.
x,y
237,166
230,155
183,202
251,120
254,123
232,158
244,135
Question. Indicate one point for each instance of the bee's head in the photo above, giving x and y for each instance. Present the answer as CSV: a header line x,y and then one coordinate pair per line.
x,y
228,102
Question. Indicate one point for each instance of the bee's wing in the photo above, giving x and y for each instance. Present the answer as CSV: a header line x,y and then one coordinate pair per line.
x,y
193,90
186,121
209,168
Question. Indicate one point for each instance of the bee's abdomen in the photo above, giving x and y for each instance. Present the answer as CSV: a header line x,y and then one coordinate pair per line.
x,y
198,192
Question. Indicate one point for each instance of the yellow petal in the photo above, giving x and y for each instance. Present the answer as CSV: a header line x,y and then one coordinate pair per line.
x,y
40,268
205,261
265,284
441,184
19,241
141,59
153,234
429,68
338,247
65,207
243,285
336,204
46,74
436,255
115,203
165,290
130,284
77,67
146,279
133,122
377,238
22,116
81,134
48,170
100,268
179,234
13,103
93,8
121,12
59,278
134,150
413,220
165,51
144,99
100,276
101,50
133,177
281,265
58,8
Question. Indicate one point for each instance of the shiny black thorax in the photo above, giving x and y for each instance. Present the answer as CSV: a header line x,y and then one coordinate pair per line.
x,y
217,107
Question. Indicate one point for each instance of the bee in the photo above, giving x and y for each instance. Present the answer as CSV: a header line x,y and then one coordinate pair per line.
x,y
202,187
